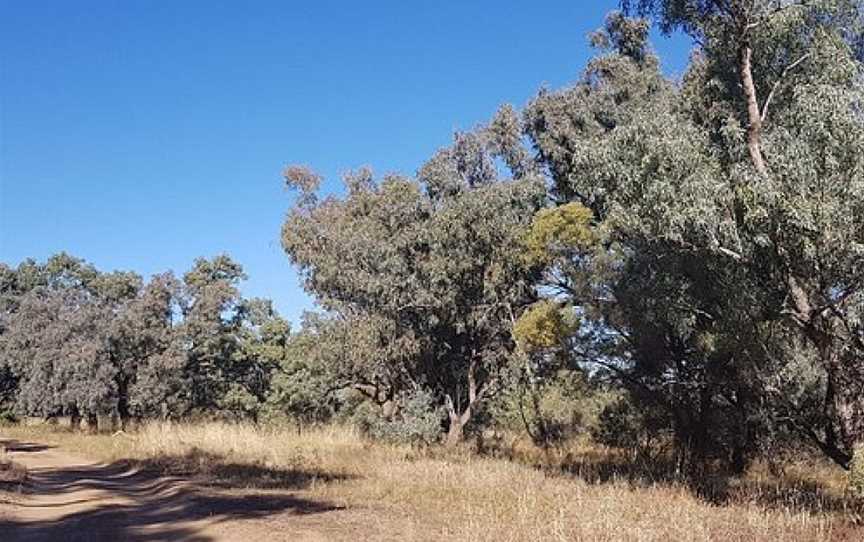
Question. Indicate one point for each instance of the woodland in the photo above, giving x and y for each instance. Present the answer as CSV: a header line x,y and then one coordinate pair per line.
x,y
668,267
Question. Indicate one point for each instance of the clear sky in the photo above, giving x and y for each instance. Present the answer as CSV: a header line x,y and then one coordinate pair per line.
x,y
142,134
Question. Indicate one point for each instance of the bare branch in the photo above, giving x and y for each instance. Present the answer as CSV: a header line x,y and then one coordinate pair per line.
x,y
731,253
779,82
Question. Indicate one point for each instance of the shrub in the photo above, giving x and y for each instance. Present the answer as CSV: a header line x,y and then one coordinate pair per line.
x,y
563,405
624,424
7,416
416,420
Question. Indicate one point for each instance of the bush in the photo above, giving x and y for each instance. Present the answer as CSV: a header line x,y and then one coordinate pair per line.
x,y
7,416
417,420
561,406
624,424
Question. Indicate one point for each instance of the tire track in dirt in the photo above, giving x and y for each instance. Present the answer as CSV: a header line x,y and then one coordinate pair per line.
x,y
72,499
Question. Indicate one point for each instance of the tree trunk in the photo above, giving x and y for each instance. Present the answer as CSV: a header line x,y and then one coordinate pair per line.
x,y
843,405
844,401
92,423
75,420
543,438
456,431
847,378
123,403
754,116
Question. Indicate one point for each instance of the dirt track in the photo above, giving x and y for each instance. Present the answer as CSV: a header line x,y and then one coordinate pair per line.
x,y
71,499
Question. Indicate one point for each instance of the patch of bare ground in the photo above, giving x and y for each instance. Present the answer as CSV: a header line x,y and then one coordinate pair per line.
x,y
236,482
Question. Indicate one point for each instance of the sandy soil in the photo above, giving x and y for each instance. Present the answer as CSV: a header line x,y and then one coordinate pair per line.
x,y
72,499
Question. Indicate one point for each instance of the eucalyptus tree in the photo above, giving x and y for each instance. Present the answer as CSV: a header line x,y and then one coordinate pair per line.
x,y
262,341
630,174
430,270
76,341
316,364
55,347
785,84
212,319
8,302
147,349
731,209
52,344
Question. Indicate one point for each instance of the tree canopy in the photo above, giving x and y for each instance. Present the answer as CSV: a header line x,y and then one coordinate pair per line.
x,y
430,269
78,342
731,206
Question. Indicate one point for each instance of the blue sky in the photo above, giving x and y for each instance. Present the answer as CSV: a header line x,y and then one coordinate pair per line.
x,y
140,135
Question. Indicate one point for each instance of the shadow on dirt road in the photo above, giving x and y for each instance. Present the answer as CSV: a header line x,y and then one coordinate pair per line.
x,y
70,500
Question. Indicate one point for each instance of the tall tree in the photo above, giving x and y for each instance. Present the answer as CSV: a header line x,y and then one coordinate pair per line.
x,y
212,320
732,206
262,343
430,269
787,74
147,348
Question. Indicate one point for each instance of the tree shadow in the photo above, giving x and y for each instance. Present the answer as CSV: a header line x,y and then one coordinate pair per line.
x,y
780,492
143,506
12,445
714,486
216,470
158,518
600,468
793,495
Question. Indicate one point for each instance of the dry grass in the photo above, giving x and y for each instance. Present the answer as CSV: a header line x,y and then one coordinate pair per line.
x,y
12,478
570,494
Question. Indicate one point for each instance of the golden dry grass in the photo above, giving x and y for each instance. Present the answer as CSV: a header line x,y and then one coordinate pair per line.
x,y
12,478
570,494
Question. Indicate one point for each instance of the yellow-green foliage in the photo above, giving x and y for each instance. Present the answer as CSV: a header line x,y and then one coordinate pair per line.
x,y
543,325
560,228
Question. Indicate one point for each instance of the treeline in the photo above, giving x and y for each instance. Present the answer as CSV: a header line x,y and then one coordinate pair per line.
x,y
97,347
82,343
631,257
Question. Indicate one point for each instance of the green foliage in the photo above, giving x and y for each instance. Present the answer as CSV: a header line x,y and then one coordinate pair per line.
x,y
7,416
424,275
417,418
75,341
622,423
561,405
719,203
627,36
305,387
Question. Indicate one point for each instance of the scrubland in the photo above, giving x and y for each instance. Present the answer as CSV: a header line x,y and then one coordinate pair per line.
x,y
506,491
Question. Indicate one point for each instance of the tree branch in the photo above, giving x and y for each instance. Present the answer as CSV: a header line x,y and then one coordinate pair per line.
x,y
779,82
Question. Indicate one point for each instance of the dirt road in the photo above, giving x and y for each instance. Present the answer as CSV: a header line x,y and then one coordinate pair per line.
x,y
70,499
